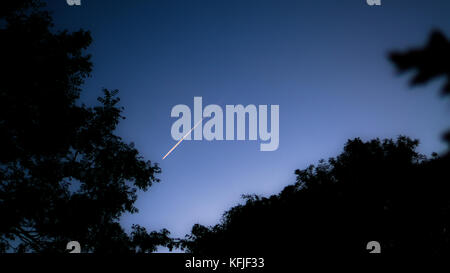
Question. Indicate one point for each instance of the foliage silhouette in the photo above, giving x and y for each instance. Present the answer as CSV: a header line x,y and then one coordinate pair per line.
x,y
430,62
375,190
64,174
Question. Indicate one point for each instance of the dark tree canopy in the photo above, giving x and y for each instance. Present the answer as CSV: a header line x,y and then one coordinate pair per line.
x,y
64,174
428,63
375,190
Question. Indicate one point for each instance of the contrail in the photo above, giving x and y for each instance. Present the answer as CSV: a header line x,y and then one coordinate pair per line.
x,y
178,143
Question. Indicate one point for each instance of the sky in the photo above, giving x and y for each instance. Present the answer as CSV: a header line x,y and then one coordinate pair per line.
x,y
323,62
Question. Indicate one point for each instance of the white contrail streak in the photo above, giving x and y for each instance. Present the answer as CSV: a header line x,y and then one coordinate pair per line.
x,y
178,143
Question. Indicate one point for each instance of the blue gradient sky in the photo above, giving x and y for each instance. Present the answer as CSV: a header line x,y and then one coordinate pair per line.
x,y
323,62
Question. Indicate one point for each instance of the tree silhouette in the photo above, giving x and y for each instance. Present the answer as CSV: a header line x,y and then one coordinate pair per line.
x,y
430,62
373,191
64,174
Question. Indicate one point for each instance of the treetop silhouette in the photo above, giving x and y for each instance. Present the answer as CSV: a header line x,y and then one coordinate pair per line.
x,y
64,174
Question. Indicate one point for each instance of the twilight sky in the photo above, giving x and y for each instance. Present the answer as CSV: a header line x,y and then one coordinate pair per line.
x,y
323,62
